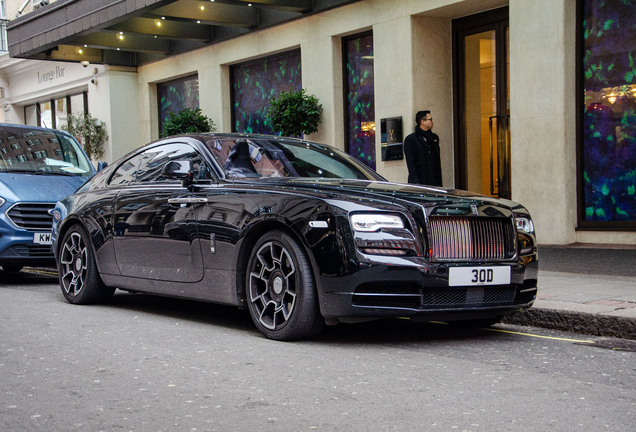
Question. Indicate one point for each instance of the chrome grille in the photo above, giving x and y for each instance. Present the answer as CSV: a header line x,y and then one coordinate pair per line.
x,y
470,238
32,216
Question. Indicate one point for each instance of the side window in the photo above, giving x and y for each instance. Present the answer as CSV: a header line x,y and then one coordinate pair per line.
x,y
237,157
220,149
154,159
126,172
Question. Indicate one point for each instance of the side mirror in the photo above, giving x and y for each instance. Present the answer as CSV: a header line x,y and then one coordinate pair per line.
x,y
101,165
181,170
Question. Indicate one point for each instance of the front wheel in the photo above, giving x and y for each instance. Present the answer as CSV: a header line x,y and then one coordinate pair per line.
x,y
79,278
281,295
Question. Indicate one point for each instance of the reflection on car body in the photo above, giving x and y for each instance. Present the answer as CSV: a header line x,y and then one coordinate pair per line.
x,y
298,232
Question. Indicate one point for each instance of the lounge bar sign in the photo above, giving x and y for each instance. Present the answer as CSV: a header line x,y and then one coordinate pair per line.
x,y
51,75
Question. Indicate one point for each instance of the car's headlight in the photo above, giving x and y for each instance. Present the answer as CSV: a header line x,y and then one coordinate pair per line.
x,y
524,224
370,222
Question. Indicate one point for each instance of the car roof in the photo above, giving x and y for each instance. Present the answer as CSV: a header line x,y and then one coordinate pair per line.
x,y
30,127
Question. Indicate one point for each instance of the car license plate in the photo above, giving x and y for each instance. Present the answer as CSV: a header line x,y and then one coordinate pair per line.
x,y
42,238
467,276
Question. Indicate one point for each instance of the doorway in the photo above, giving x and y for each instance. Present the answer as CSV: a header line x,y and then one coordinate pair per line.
x,y
482,103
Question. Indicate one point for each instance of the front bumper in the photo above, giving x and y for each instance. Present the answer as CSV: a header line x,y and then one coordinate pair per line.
x,y
18,248
417,288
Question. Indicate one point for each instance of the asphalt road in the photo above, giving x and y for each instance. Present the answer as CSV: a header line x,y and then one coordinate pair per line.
x,y
145,363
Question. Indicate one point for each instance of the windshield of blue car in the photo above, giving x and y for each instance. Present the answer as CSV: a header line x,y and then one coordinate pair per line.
x,y
41,151
279,157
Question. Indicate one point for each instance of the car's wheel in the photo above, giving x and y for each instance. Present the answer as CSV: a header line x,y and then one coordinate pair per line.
x,y
280,290
11,267
79,279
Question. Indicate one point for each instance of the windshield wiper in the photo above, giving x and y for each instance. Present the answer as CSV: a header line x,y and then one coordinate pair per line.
x,y
40,172
22,171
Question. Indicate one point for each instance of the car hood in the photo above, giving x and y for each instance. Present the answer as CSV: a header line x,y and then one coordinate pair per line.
x,y
38,187
397,193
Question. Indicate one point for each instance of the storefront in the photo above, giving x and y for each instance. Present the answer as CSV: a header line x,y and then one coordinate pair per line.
x,y
521,94
43,94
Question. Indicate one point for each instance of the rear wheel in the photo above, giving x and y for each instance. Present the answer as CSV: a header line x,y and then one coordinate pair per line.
x,y
281,295
79,278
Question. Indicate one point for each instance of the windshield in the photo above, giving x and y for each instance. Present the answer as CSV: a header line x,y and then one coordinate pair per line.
x,y
277,157
41,151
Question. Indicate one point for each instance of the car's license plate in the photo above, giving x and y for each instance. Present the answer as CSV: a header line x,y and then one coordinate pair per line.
x,y
463,276
42,238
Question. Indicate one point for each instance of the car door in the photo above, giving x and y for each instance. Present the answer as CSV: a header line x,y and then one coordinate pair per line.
x,y
155,231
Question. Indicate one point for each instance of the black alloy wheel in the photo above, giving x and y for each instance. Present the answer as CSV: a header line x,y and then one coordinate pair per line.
x,y
79,279
281,295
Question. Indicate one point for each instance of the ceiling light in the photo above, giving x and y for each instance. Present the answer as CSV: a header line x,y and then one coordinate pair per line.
x,y
158,23
202,7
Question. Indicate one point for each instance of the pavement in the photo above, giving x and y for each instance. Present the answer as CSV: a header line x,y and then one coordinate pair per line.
x,y
588,289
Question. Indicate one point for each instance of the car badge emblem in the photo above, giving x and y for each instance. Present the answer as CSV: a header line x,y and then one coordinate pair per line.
x,y
473,207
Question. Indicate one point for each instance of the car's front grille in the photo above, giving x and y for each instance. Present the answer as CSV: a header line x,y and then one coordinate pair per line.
x,y
410,296
32,216
470,239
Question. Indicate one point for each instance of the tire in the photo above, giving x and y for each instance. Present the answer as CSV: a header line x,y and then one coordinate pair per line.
x,y
79,278
280,291
12,267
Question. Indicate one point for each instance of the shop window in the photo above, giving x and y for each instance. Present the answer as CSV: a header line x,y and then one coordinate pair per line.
x,y
359,97
607,86
53,113
255,83
77,104
177,95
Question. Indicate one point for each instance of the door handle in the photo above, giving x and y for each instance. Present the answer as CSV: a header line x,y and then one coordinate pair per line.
x,y
190,200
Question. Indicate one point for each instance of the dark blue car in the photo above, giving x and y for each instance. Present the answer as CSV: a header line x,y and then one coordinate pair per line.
x,y
38,167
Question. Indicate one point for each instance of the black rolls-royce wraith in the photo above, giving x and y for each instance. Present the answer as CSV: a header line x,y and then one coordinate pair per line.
x,y
299,233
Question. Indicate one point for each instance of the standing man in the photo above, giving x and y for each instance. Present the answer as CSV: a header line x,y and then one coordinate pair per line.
x,y
421,149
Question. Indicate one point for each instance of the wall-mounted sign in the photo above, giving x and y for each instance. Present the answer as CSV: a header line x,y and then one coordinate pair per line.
x,y
391,138
51,75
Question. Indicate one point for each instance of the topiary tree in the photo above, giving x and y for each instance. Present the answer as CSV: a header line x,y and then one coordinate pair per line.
x,y
188,120
89,131
295,113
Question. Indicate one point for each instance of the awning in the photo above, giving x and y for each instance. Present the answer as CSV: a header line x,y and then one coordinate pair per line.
x,y
134,32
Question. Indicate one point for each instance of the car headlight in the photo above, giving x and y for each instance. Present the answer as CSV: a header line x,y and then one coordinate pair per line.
x,y
370,222
524,224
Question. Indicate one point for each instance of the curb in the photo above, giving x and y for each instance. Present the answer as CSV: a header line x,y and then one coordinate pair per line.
x,y
576,322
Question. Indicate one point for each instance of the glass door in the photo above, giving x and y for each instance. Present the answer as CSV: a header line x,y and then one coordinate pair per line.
x,y
482,103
